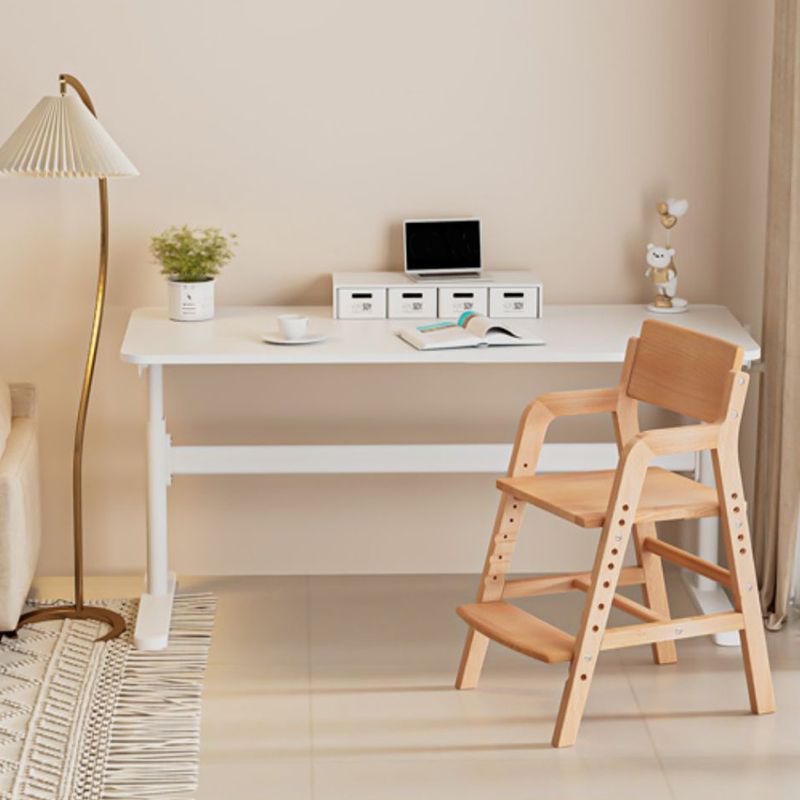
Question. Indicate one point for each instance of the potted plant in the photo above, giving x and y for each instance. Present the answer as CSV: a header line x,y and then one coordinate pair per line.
x,y
191,258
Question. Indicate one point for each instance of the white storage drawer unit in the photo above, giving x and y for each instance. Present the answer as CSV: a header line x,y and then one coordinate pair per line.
x,y
361,303
514,301
455,300
377,295
412,301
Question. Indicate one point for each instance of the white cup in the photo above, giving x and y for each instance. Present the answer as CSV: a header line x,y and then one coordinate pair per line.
x,y
293,326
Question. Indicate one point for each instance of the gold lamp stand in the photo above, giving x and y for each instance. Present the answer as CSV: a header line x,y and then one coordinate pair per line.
x,y
101,158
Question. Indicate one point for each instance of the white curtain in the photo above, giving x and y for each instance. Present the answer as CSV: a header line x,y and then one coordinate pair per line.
x,y
778,475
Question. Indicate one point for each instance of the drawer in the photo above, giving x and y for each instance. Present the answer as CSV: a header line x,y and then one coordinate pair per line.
x,y
454,301
361,303
514,301
412,301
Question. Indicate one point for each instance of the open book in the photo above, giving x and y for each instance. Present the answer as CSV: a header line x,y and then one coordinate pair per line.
x,y
471,330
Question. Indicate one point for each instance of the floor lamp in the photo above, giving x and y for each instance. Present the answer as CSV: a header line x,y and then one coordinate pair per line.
x,y
61,138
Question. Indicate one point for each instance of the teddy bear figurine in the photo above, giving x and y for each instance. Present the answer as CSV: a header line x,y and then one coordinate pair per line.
x,y
661,267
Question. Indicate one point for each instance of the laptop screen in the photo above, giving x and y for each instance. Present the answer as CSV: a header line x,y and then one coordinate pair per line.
x,y
443,246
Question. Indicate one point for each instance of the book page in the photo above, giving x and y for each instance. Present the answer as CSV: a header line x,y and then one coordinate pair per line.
x,y
480,326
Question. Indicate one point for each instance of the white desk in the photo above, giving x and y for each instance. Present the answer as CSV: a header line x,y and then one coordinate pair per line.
x,y
577,334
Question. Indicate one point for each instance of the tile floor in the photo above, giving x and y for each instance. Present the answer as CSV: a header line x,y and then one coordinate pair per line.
x,y
340,688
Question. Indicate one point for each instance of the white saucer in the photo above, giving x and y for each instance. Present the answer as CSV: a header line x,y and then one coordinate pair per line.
x,y
279,338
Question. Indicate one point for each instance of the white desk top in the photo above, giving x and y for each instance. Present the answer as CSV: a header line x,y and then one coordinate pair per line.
x,y
573,334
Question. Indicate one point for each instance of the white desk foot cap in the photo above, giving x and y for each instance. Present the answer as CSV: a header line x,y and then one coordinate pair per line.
x,y
153,619
712,601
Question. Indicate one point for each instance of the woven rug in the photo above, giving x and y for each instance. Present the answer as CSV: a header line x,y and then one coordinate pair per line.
x,y
81,720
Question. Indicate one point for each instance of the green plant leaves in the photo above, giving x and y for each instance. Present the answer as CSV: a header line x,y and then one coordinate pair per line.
x,y
192,254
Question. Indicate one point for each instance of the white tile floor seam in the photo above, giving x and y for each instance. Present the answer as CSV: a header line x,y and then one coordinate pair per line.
x,y
311,776
650,736
341,688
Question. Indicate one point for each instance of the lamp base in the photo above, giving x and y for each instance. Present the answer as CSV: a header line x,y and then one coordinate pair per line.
x,y
110,618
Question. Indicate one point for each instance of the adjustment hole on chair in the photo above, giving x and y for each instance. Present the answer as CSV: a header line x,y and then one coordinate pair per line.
x,y
740,537
611,565
736,509
595,628
514,506
511,520
524,466
494,577
622,522
584,676
743,551
601,606
625,507
505,536
606,584
500,558
734,496
614,551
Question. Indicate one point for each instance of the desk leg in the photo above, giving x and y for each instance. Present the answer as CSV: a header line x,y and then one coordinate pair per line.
x,y
708,596
155,606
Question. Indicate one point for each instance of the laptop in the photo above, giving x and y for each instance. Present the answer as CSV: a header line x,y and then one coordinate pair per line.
x,y
442,249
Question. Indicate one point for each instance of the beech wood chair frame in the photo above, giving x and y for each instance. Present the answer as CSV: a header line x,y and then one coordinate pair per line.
x,y
668,350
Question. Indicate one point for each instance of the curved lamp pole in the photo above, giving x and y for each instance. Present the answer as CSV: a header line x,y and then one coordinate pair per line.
x,y
97,156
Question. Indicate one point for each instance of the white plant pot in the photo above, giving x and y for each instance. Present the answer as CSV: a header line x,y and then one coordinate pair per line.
x,y
191,302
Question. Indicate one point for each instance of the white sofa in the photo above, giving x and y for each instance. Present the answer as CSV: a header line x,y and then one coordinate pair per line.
x,y
20,516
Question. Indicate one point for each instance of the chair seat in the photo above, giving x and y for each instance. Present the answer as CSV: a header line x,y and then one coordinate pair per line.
x,y
582,497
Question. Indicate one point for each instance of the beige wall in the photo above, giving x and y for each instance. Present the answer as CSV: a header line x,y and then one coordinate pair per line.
x,y
311,129
744,202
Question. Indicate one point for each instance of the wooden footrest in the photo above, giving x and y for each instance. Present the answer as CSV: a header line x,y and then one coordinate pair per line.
x,y
515,628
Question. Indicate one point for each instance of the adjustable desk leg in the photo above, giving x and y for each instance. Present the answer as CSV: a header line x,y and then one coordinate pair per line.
x,y
708,596
155,606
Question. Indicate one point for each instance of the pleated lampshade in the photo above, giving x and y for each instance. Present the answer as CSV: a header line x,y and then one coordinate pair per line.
x,y
61,138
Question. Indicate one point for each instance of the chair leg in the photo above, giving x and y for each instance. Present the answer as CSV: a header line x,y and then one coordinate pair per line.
x,y
654,589
736,534
605,576
498,559
587,645
590,635
472,658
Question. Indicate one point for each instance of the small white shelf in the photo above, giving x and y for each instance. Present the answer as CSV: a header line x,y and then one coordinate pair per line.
x,y
393,295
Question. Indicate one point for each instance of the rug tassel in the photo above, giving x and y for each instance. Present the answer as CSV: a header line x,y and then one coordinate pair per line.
x,y
161,692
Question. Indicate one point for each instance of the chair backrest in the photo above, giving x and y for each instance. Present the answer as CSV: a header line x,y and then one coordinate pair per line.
x,y
683,371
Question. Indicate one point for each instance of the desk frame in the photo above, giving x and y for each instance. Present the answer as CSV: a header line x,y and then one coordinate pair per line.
x,y
165,460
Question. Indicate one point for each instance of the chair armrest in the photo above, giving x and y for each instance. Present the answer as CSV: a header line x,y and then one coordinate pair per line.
x,y
536,419
23,399
685,439
582,401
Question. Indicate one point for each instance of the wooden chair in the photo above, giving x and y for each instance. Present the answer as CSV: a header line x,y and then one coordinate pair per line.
x,y
676,369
